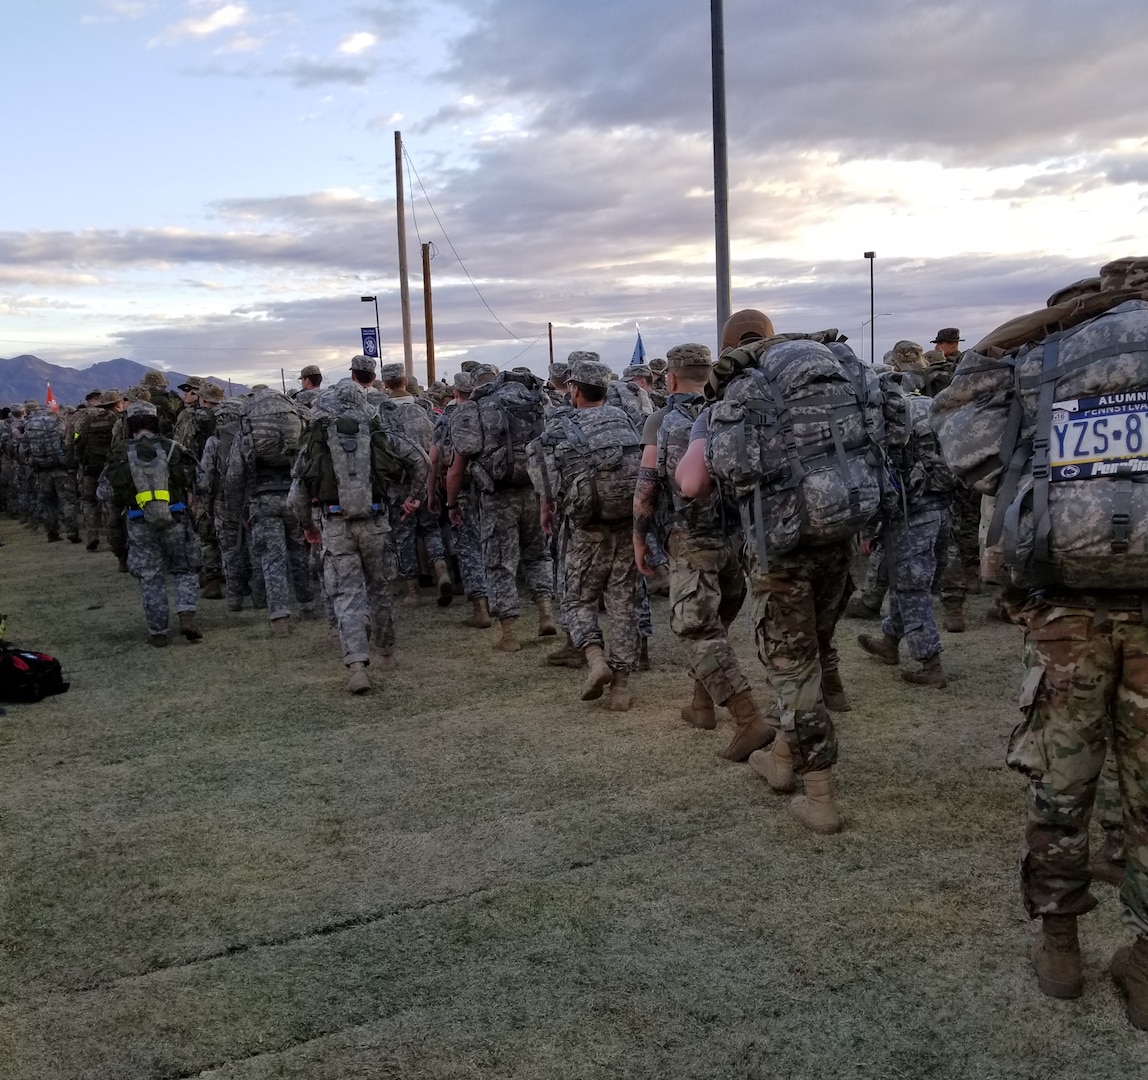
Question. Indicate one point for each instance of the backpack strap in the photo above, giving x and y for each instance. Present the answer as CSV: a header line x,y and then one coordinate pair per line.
x,y
1041,446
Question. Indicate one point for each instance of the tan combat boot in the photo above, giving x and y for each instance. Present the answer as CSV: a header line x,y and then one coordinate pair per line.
x,y
644,655
188,627
954,618
1056,957
1129,969
281,627
480,616
567,655
507,640
700,711
547,627
443,583
775,765
885,649
412,598
833,692
620,697
753,731
930,673
599,676
357,681
1108,863
817,809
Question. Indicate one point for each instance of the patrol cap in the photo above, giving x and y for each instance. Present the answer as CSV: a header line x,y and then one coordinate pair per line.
x,y
580,355
392,372
359,362
560,371
311,371
111,397
749,324
192,383
211,392
464,382
689,355
658,365
637,371
949,333
904,347
153,379
93,394
590,372
142,408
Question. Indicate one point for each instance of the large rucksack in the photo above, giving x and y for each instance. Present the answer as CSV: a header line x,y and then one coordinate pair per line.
x,y
791,435
1064,448
673,442
43,441
272,427
95,438
494,428
631,399
914,452
596,453
149,463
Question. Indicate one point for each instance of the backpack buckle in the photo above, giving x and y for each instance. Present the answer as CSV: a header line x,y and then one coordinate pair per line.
x,y
1121,528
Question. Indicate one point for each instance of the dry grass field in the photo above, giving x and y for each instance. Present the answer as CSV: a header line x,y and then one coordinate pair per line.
x,y
214,863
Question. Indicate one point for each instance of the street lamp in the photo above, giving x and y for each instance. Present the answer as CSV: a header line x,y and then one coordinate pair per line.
x,y
871,322
871,255
378,332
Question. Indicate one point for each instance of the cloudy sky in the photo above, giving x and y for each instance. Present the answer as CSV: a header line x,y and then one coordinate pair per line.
x,y
210,186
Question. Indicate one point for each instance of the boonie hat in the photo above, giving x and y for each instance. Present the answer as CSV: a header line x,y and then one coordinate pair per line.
x,y
949,333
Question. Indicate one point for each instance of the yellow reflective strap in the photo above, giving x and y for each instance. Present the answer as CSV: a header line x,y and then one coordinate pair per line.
x,y
149,496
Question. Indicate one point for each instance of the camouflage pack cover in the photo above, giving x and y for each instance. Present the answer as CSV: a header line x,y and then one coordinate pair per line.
x,y
94,439
913,450
148,462
590,458
631,399
43,441
344,423
494,428
272,429
1083,525
791,436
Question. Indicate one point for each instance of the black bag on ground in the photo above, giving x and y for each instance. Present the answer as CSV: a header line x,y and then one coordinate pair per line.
x,y
27,675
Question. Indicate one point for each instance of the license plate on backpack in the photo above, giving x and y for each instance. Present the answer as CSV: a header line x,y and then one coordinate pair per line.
x,y
1100,436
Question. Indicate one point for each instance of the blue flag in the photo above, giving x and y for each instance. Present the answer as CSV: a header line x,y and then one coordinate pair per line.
x,y
639,356
370,341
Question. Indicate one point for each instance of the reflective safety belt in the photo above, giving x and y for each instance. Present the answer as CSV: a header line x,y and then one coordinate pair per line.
x,y
145,497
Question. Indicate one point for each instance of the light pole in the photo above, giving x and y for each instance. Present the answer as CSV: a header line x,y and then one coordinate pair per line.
x,y
378,332
871,322
871,255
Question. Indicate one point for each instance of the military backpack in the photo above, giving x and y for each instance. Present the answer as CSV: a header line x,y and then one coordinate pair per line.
x,y
43,441
272,428
494,428
149,462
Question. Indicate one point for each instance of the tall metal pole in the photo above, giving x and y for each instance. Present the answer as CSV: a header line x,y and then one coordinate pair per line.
x,y
404,285
871,255
428,315
550,332
721,167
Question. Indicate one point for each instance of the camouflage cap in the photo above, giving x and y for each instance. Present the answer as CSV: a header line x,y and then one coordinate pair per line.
x,y
17,408
111,397
154,380
31,406
464,382
479,370
392,372
658,365
138,393
746,325
211,392
469,365
560,371
590,372
192,383
689,355
637,371
311,371
142,408
93,394
580,355
359,362
905,347
949,333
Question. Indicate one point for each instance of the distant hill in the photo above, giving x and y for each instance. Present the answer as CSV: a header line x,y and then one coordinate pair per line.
x,y
25,378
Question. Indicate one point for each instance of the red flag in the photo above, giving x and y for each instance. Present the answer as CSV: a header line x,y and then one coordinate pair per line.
x,y
50,400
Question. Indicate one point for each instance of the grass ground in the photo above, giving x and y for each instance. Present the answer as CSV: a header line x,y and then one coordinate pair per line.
x,y
216,863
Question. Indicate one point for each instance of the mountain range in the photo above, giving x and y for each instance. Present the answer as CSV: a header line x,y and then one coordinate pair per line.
x,y
25,378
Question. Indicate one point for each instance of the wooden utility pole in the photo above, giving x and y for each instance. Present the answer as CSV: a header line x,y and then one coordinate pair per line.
x,y
721,167
404,285
428,314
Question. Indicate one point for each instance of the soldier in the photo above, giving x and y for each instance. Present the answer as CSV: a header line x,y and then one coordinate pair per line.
x,y
148,478
587,465
703,539
50,478
312,382
166,402
93,444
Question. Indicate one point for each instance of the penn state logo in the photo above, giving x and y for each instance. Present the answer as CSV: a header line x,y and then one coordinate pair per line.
x,y
1070,472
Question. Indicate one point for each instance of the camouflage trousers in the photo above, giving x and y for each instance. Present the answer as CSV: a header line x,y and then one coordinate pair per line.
x,y
510,533
911,556
795,607
468,551
707,590
278,546
876,583
600,567
55,501
153,554
358,572
962,547
1086,689
209,541
242,574
421,525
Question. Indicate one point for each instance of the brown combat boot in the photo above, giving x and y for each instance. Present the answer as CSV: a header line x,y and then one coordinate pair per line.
x,y
188,627
753,730
357,681
567,655
930,673
411,587
212,589
885,649
644,655
480,616
599,676
954,618
507,640
1056,957
833,692
547,627
857,608
94,544
384,658
1129,969
281,627
700,711
817,809
1108,863
620,697
775,766
158,640
443,583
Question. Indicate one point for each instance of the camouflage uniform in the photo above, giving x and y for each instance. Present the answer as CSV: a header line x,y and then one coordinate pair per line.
x,y
911,545
464,538
52,487
600,567
509,532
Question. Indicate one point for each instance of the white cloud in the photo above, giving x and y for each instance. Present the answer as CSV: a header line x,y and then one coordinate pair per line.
x,y
227,17
358,43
